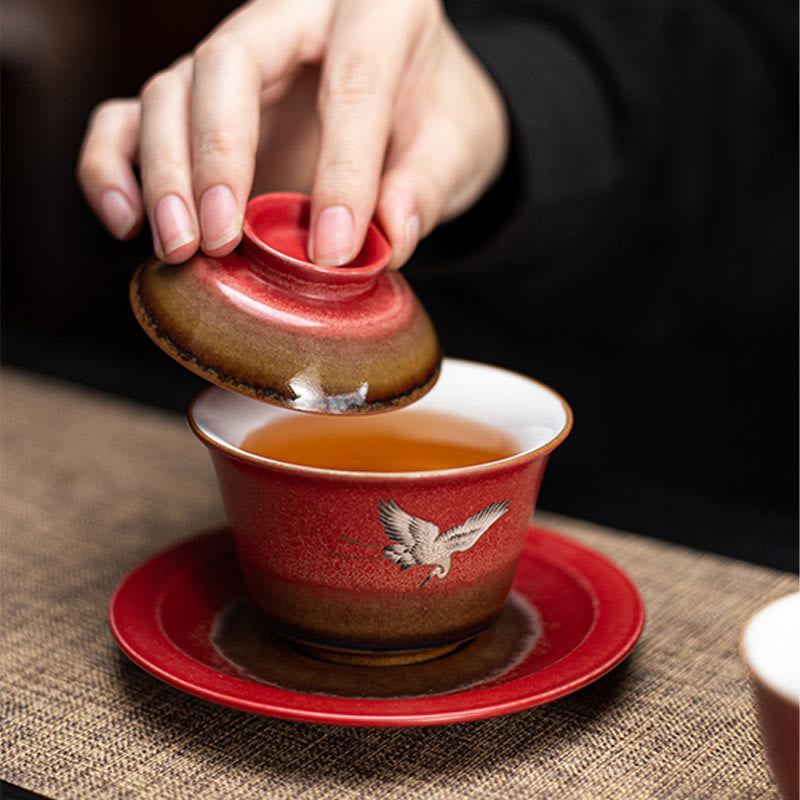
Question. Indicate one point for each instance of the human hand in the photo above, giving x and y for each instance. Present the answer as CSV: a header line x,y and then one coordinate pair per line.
x,y
377,109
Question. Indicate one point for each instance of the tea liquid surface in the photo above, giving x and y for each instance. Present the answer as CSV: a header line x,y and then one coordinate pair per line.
x,y
410,441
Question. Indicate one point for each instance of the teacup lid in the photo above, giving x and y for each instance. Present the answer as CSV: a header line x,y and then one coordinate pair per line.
x,y
266,322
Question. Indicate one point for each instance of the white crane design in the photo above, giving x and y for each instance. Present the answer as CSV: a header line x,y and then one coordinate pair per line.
x,y
416,541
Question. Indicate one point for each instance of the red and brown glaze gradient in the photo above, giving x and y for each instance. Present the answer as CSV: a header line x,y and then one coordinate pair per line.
x,y
267,323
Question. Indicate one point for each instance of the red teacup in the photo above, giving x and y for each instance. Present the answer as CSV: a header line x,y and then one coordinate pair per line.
x,y
385,567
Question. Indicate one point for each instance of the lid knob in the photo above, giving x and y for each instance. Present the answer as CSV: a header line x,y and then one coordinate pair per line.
x,y
275,240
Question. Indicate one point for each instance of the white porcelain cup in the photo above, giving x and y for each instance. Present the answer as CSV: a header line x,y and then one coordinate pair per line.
x,y
770,646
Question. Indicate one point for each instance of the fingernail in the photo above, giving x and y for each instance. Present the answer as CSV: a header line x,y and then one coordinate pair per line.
x,y
333,237
219,217
118,214
174,225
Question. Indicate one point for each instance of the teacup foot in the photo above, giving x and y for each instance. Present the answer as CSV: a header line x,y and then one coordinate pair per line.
x,y
375,658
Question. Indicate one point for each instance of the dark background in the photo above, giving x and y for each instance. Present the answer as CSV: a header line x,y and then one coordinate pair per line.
x,y
679,358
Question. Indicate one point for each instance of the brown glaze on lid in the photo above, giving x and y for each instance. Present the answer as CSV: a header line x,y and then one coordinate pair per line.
x,y
266,322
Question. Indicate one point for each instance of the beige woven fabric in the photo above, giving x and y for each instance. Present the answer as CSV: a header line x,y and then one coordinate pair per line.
x,y
91,486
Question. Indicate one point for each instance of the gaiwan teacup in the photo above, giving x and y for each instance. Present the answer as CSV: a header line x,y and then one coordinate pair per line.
x,y
386,539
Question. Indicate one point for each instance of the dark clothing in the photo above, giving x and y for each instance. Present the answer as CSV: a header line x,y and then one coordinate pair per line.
x,y
639,253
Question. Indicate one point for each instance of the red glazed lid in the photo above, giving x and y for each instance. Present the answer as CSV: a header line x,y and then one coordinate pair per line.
x,y
266,322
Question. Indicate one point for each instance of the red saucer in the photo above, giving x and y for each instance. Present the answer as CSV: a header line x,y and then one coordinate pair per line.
x,y
588,616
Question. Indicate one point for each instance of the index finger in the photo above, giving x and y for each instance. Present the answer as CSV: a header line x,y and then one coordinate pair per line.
x,y
368,52
236,70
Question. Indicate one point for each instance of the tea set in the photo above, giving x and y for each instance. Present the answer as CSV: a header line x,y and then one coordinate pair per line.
x,y
359,578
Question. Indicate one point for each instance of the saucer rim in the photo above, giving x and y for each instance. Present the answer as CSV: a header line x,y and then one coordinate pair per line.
x,y
617,625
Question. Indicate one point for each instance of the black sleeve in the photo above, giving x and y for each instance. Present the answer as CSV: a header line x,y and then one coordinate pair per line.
x,y
639,251
653,118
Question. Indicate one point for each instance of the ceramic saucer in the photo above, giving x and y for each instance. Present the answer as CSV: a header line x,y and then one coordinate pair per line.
x,y
573,615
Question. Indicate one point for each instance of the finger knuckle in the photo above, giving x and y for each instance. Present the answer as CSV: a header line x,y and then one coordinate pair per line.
x,y
162,172
353,82
342,170
107,110
215,144
222,45
156,84
91,169
183,66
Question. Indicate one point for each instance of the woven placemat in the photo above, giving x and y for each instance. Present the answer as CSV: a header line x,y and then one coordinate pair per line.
x,y
91,486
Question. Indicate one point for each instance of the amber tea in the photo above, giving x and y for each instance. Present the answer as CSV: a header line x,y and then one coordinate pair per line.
x,y
388,549
407,441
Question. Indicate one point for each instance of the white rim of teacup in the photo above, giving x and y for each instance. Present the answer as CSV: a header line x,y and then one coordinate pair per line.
x,y
761,630
556,433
